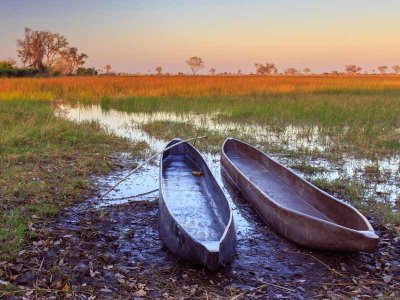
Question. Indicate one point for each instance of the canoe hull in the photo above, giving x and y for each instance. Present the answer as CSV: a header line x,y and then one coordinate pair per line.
x,y
185,248
180,241
297,227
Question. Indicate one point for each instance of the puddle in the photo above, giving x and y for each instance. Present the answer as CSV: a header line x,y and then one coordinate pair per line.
x,y
385,187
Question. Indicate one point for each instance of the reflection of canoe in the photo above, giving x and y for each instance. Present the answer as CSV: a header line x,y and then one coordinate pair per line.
x,y
196,222
295,208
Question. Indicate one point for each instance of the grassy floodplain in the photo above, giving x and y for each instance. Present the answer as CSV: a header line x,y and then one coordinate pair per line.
x,y
45,164
360,114
45,161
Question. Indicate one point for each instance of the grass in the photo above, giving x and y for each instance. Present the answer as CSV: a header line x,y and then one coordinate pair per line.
x,y
346,189
307,169
352,192
45,163
359,114
351,123
168,130
97,88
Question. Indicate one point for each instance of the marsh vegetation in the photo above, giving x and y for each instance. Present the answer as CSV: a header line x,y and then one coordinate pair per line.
x,y
341,133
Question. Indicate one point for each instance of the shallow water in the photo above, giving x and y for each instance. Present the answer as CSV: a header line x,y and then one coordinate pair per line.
x,y
385,187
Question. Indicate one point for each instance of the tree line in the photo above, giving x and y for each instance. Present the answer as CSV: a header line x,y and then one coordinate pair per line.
x,y
42,52
47,53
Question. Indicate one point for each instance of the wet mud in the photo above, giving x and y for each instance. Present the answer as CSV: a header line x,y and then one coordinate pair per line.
x,y
94,251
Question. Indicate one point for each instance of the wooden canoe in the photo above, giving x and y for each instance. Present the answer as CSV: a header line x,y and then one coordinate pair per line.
x,y
195,218
293,207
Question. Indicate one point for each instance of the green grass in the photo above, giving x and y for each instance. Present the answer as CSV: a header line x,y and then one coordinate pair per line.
x,y
345,189
168,130
365,122
308,169
45,163
352,192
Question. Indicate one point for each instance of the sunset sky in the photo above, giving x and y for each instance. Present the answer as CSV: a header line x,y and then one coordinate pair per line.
x,y
137,36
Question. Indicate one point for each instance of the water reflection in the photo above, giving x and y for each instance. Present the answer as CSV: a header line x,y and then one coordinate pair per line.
x,y
386,186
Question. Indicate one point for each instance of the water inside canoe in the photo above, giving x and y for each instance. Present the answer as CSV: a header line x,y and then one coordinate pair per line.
x,y
189,201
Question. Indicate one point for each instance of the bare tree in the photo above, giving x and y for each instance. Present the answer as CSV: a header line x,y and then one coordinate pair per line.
x,y
107,68
265,69
212,71
352,69
159,70
382,69
54,44
307,71
44,49
72,59
396,69
196,64
31,49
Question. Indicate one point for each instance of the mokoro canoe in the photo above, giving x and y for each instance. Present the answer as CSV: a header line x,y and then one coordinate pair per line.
x,y
195,218
293,207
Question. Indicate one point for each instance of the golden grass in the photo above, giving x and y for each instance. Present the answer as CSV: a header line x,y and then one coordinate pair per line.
x,y
92,88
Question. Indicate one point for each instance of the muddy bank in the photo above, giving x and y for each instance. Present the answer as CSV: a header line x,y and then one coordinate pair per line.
x,y
115,252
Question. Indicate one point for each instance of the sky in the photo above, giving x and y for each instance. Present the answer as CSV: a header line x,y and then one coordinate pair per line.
x,y
137,36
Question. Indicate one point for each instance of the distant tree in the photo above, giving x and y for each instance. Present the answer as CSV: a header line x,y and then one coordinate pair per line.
x,y
107,69
44,49
31,49
8,64
396,69
291,71
72,59
382,69
159,70
239,72
54,44
265,69
195,64
212,71
334,72
352,69
307,71
86,71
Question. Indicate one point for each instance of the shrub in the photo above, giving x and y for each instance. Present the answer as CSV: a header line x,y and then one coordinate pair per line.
x,y
18,72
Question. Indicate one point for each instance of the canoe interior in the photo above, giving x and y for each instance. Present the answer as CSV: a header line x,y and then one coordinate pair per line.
x,y
287,189
194,201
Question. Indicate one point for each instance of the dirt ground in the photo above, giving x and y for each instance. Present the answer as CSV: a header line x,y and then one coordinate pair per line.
x,y
115,252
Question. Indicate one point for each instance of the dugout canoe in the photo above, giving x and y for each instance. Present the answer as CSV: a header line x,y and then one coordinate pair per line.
x,y
195,219
292,206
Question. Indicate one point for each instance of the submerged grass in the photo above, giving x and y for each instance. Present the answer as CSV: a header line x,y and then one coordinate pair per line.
x,y
45,163
352,123
353,192
307,169
168,130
